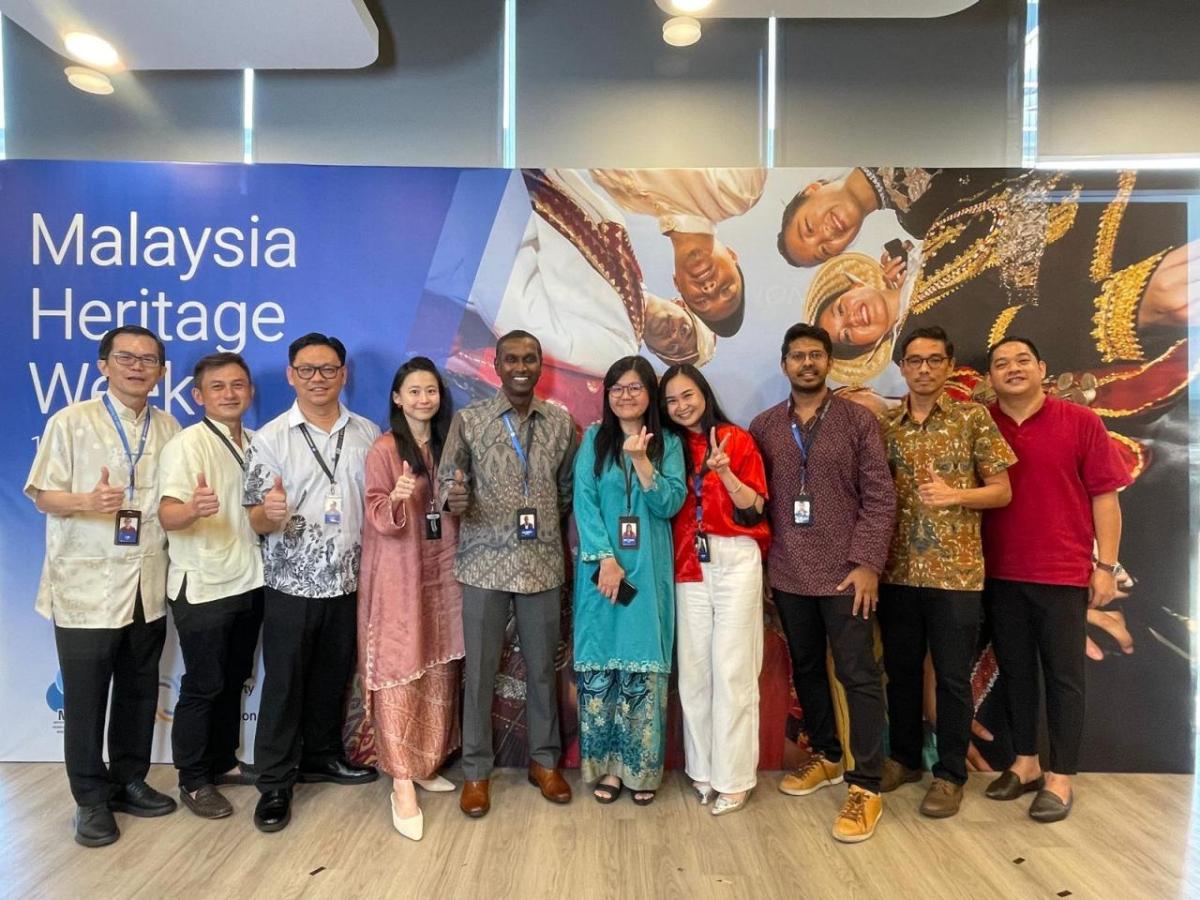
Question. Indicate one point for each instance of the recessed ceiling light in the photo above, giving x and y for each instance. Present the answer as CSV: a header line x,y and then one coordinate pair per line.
x,y
88,80
681,31
691,6
90,49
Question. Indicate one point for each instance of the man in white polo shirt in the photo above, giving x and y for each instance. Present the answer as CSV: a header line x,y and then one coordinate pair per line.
x,y
304,490
214,584
104,579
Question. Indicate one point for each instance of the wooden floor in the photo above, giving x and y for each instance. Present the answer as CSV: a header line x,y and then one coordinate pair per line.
x,y
1127,838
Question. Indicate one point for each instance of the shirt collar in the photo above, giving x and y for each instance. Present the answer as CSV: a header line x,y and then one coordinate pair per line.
x,y
501,405
225,430
942,404
124,411
296,417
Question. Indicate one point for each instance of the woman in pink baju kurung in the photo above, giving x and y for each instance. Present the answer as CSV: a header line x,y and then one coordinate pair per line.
x,y
410,636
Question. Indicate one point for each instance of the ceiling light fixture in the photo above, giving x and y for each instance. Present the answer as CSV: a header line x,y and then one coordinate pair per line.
x,y
90,49
691,6
88,80
681,31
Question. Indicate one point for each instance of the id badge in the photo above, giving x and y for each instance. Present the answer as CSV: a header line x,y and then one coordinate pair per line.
x,y
127,530
527,524
702,547
333,510
630,532
433,526
802,511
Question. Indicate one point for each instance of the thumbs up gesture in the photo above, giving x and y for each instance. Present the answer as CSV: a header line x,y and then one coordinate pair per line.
x,y
204,499
718,459
405,483
935,493
275,505
105,498
458,497
635,444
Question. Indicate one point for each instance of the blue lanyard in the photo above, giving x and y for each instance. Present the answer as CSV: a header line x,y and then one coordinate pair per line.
x,y
521,455
798,436
133,460
697,481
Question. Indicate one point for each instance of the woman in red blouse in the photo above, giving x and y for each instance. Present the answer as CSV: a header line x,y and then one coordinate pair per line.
x,y
720,538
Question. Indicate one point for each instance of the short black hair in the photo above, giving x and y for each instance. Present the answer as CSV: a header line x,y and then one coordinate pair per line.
x,y
805,330
111,335
928,333
732,323
789,213
1014,339
216,361
518,334
316,339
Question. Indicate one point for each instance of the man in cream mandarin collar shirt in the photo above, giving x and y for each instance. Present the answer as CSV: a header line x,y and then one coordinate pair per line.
x,y
105,597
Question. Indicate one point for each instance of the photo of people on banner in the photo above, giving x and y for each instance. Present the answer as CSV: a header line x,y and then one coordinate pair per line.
x,y
709,266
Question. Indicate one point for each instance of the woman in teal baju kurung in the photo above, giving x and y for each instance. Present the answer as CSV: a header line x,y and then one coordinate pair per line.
x,y
623,652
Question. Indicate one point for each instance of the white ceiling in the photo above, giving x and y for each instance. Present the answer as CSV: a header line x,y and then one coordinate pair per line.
x,y
825,9
211,34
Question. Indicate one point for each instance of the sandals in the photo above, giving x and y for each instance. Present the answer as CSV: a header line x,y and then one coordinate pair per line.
x,y
646,799
606,793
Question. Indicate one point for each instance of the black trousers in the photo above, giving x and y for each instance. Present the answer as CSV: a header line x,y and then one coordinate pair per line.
x,y
217,640
309,647
91,659
812,623
1046,623
947,623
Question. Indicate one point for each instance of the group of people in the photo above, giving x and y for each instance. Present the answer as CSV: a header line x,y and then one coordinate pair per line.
x,y
405,553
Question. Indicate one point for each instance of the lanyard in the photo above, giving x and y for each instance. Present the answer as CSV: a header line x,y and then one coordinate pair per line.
x,y
337,454
521,454
628,471
697,481
133,460
226,441
806,445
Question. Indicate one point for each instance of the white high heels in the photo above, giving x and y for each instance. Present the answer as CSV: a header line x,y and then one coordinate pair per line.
x,y
413,827
437,784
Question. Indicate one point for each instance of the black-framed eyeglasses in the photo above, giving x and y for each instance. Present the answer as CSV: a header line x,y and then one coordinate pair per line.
x,y
328,372
915,362
633,390
799,356
128,360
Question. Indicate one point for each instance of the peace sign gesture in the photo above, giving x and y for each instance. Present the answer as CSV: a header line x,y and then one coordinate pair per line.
x,y
636,444
718,459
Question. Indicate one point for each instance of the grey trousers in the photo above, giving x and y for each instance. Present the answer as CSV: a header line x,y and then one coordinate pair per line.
x,y
485,615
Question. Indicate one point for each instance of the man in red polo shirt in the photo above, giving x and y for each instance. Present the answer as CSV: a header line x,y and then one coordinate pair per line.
x,y
1042,575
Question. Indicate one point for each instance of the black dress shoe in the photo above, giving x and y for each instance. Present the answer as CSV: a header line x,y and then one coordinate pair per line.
x,y
339,771
209,803
274,811
139,799
1009,786
95,826
1047,807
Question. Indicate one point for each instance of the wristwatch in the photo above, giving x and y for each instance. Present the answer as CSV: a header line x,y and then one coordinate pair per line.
x,y
1116,569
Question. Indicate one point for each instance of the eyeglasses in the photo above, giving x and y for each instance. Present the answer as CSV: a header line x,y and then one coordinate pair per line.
x,y
629,390
799,356
128,360
915,362
305,373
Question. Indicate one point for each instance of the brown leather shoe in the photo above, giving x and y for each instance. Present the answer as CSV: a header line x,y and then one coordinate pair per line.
x,y
942,800
896,774
550,783
475,799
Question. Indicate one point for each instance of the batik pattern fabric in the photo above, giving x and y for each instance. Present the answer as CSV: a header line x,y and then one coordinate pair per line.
x,y
623,726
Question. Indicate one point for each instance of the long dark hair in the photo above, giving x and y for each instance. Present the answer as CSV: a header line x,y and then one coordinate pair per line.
x,y
712,416
609,438
406,444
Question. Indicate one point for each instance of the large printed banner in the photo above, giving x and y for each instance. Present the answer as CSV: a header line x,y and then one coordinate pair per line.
x,y
709,265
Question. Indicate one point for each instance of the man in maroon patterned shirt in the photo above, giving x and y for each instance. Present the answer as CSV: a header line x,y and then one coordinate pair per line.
x,y
832,507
